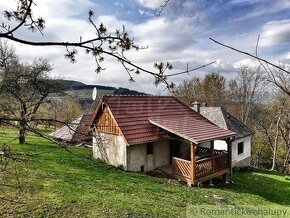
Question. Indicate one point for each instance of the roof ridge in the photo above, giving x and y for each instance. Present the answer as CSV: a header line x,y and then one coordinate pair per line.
x,y
138,95
226,113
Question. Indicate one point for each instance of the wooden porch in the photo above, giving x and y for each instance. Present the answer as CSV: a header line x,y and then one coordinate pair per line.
x,y
205,164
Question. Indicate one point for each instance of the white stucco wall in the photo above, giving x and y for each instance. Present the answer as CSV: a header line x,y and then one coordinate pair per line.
x,y
137,156
115,148
242,159
131,157
162,150
220,145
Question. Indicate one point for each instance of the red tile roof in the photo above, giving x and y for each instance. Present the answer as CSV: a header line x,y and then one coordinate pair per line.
x,y
139,116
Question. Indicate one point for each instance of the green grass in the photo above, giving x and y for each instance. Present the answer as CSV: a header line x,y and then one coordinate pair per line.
x,y
55,182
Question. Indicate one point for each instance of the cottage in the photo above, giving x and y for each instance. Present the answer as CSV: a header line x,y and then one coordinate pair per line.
x,y
241,146
142,133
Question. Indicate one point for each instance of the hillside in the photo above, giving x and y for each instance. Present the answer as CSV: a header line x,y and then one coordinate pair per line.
x,y
82,93
55,182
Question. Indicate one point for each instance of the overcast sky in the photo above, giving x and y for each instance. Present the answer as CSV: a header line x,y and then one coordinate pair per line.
x,y
180,35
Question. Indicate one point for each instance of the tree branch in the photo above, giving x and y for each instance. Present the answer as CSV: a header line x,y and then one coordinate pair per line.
x,y
250,55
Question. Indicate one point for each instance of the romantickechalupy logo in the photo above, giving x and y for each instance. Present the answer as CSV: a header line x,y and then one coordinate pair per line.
x,y
232,211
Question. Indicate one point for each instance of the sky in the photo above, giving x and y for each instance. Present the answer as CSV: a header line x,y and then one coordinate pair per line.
x,y
180,36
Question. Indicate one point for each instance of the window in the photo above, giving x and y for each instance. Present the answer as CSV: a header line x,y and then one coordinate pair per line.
x,y
149,148
240,147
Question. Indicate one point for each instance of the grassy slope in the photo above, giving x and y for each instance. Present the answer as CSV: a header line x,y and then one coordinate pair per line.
x,y
58,183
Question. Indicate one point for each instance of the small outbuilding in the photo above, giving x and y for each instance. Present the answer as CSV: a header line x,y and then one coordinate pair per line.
x,y
241,146
76,132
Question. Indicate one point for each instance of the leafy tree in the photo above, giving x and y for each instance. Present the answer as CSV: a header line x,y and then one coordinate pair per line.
x,y
213,86
59,111
210,90
188,91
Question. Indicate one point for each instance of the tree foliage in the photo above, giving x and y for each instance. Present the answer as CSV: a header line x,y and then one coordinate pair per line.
x,y
58,111
210,90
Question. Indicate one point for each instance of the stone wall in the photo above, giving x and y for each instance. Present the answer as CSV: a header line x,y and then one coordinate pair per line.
x,y
112,149
137,157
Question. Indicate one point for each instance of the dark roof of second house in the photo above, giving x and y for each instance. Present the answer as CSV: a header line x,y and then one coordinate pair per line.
x,y
82,132
224,119
140,118
76,131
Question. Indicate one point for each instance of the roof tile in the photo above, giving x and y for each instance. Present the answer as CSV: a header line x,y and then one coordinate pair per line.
x,y
133,115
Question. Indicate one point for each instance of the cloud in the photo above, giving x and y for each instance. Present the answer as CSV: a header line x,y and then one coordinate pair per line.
x,y
62,8
245,2
152,4
146,13
163,35
173,9
262,8
246,62
179,36
275,32
184,8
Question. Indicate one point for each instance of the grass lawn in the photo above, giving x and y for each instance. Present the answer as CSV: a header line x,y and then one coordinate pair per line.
x,y
55,182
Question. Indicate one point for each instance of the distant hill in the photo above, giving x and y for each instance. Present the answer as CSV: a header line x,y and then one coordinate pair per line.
x,y
82,93
75,85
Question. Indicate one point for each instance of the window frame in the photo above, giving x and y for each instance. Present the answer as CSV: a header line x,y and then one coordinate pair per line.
x,y
241,149
149,148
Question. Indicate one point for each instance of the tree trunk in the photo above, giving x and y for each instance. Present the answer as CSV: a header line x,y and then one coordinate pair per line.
x,y
276,144
22,131
285,165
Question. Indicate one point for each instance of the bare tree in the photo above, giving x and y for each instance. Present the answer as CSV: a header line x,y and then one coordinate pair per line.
x,y
24,88
245,90
285,134
275,146
278,74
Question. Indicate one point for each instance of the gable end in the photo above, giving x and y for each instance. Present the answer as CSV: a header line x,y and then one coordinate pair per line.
x,y
106,123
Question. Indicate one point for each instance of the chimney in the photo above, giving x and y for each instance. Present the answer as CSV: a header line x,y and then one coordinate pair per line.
x,y
196,106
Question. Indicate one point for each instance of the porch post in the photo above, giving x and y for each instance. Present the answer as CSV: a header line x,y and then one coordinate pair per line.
x,y
192,158
212,154
229,147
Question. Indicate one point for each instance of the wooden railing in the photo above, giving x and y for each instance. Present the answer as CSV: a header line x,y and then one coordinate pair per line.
x,y
184,170
207,166
181,167
221,162
203,167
